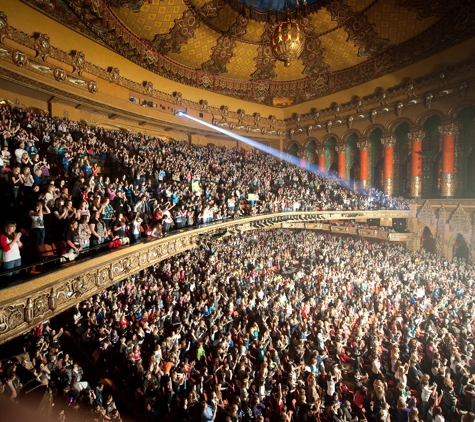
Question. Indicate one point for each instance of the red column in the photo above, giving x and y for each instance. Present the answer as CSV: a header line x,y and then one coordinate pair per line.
x,y
448,132
388,183
363,146
321,159
416,162
341,150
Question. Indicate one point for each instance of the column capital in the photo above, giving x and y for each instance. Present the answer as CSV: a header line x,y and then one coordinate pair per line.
x,y
415,136
388,141
341,149
448,129
363,144
320,151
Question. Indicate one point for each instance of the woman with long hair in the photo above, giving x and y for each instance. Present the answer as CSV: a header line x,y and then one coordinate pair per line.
x,y
59,222
84,232
10,244
97,227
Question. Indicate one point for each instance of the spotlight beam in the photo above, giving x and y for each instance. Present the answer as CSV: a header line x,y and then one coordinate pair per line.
x,y
269,150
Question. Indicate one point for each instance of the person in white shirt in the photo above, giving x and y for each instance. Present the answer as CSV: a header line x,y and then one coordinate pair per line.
x,y
19,152
10,245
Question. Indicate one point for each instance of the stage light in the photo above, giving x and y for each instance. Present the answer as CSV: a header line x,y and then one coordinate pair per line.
x,y
180,113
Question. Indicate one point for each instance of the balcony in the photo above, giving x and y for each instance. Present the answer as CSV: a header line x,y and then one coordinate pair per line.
x,y
25,305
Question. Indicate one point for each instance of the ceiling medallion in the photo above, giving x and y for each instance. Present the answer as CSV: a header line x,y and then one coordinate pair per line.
x,y
288,38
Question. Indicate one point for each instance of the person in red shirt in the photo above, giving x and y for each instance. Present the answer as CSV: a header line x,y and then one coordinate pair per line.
x,y
10,245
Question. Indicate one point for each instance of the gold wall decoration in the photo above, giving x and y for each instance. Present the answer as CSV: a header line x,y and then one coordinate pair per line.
x,y
42,46
19,58
79,63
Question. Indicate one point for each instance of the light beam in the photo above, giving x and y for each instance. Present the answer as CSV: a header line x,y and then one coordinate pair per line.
x,y
269,150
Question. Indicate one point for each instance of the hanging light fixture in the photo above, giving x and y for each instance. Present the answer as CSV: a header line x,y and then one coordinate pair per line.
x,y
288,39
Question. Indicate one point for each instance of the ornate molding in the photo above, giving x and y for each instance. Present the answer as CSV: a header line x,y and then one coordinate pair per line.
x,y
363,144
388,141
416,136
33,302
460,221
447,182
341,149
426,215
96,20
448,129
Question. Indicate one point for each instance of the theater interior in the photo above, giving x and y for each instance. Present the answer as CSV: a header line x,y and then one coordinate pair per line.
x,y
232,210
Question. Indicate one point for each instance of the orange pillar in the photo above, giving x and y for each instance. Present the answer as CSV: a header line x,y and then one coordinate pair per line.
x,y
416,162
341,150
447,188
363,146
321,159
388,183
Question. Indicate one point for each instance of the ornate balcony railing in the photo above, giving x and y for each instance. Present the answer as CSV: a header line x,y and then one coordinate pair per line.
x,y
25,305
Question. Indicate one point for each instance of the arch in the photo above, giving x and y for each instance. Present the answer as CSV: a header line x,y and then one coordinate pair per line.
x,y
293,149
310,149
459,247
399,121
331,158
353,159
377,162
422,119
427,240
290,146
350,132
459,107
328,136
370,129
402,159
309,141
466,142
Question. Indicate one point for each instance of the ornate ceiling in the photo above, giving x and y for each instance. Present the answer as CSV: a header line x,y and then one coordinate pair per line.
x,y
223,45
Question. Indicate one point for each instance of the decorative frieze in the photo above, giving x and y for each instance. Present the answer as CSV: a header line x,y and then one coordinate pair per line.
x,y
35,301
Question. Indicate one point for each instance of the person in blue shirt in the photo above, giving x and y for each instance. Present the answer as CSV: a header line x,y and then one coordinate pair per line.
x,y
66,161
208,413
38,177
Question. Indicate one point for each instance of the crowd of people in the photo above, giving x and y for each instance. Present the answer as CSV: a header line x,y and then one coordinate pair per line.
x,y
280,325
57,190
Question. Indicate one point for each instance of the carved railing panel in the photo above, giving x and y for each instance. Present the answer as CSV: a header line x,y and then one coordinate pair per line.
x,y
28,304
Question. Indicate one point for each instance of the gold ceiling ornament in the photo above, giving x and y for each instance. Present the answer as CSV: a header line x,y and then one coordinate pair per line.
x,y
288,38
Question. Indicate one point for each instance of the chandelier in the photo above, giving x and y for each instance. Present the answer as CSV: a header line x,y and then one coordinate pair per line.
x,y
288,39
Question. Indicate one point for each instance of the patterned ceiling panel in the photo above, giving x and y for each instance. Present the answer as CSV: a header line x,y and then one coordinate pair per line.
x,y
197,50
227,16
294,71
337,52
322,21
254,32
242,62
157,17
358,40
397,24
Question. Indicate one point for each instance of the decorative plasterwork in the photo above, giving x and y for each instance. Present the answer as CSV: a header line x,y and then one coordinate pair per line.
x,y
426,215
183,30
360,31
460,221
96,17
265,59
442,221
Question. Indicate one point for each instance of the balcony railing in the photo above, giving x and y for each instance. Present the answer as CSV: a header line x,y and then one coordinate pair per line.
x,y
31,302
